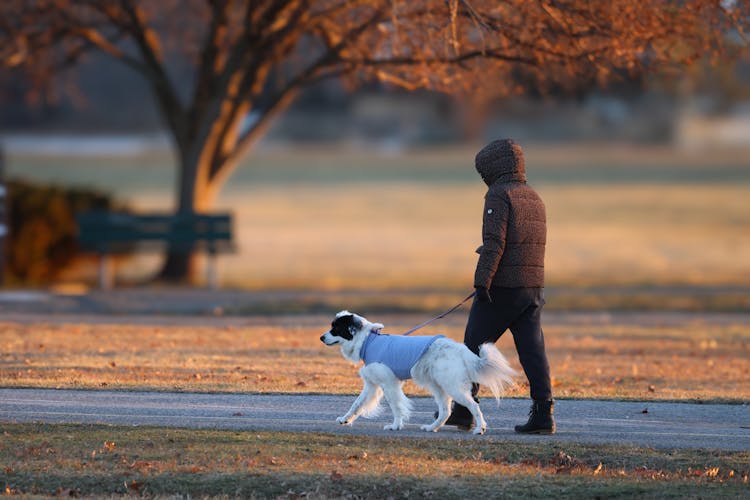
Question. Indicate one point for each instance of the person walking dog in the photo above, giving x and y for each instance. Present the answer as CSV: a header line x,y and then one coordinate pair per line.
x,y
509,278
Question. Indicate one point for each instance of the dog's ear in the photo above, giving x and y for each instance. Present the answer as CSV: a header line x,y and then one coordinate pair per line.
x,y
376,327
345,326
355,325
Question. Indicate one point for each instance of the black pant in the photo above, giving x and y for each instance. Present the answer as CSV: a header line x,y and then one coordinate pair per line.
x,y
520,310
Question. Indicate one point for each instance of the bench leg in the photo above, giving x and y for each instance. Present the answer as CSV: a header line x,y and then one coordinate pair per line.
x,y
212,274
106,278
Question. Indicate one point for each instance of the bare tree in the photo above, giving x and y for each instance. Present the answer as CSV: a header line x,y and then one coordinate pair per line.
x,y
254,56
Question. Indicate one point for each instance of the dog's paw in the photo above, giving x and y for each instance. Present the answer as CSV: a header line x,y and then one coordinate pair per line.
x,y
344,421
429,428
393,427
478,430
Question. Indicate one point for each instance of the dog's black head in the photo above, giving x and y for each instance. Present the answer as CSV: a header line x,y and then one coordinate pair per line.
x,y
344,327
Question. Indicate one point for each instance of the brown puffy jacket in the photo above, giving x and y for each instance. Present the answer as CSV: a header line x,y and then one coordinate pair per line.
x,y
514,229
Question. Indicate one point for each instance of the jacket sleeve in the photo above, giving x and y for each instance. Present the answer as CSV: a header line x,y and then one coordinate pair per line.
x,y
494,228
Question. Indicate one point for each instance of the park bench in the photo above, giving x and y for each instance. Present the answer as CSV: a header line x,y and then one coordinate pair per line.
x,y
110,233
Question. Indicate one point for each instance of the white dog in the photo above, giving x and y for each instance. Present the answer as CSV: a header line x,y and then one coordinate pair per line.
x,y
444,367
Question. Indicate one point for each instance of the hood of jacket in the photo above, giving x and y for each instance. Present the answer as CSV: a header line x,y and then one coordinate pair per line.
x,y
501,161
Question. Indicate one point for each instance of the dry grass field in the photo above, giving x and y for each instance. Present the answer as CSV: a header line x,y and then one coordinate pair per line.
x,y
403,236
336,218
41,460
624,356
626,221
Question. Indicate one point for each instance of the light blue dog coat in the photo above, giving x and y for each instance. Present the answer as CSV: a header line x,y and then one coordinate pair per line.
x,y
397,352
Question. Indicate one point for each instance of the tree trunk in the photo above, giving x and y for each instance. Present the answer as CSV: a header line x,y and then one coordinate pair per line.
x,y
179,267
203,169
193,196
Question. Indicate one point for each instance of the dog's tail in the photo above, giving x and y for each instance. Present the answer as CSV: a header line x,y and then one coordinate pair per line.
x,y
492,370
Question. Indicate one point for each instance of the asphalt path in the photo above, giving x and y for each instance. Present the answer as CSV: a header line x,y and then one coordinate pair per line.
x,y
651,424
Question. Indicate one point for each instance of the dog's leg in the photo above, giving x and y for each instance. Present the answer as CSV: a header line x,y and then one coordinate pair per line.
x,y
400,405
443,401
366,403
465,399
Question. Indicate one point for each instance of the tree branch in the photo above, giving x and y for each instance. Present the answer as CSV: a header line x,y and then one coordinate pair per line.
x,y
96,39
413,61
277,39
147,43
206,84
281,100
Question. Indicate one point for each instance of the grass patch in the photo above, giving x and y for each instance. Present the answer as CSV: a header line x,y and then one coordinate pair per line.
x,y
114,460
400,236
313,219
625,356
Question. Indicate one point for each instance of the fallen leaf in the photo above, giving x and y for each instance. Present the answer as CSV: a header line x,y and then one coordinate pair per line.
x,y
336,476
134,485
713,472
565,464
141,464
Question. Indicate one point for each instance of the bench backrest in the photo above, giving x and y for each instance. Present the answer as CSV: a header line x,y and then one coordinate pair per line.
x,y
114,232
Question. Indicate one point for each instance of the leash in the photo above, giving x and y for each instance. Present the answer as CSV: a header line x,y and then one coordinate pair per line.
x,y
443,315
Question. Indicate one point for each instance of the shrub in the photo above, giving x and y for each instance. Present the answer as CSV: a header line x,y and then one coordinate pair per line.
x,y
43,229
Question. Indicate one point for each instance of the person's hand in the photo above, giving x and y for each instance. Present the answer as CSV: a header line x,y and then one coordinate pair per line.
x,y
483,295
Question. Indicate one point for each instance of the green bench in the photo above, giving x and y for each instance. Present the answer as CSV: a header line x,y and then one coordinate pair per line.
x,y
110,233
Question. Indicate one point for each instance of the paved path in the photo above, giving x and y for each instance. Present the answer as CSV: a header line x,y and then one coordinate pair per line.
x,y
657,425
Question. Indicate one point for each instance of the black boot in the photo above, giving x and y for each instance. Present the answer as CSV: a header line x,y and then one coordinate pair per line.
x,y
541,419
461,417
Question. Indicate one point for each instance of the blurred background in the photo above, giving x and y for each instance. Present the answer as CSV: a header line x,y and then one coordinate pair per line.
x,y
646,182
